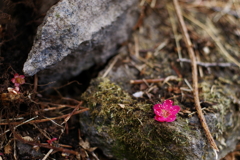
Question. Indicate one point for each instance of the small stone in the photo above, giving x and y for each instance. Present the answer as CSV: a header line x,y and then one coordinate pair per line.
x,y
138,94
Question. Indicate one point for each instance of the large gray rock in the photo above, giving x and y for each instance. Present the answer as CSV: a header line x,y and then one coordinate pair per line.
x,y
76,35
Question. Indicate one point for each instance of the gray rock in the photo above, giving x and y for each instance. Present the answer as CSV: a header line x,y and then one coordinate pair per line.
x,y
76,35
28,150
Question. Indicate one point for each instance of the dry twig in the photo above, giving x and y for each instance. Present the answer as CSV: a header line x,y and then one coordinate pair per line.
x,y
177,37
111,66
210,32
48,119
19,138
19,124
206,64
47,155
194,75
139,81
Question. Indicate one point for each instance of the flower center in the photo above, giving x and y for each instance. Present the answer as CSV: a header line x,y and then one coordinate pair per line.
x,y
19,80
165,113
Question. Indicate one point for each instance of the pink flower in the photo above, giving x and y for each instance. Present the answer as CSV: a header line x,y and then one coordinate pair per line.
x,y
51,140
18,79
165,112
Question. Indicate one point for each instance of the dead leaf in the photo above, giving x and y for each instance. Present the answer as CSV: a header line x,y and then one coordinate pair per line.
x,y
121,105
27,138
8,148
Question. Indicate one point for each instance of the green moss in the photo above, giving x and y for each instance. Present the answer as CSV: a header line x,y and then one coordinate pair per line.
x,y
221,94
131,124
57,15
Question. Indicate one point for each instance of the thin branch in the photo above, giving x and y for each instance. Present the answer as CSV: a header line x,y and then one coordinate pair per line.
x,y
223,51
70,114
19,138
47,119
176,36
139,81
164,80
47,155
111,66
19,124
194,75
206,64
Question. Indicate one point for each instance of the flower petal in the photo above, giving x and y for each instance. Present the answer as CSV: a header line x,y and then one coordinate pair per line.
x,y
13,80
174,109
16,84
167,103
16,89
158,111
21,76
157,106
166,112
160,118
16,75
170,118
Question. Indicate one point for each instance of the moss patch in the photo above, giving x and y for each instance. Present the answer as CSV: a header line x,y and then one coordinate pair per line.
x,y
131,125
222,95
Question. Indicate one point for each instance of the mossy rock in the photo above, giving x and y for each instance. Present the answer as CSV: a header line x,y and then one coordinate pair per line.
x,y
124,128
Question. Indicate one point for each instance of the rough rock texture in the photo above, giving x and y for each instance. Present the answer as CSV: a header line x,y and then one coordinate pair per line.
x,y
76,35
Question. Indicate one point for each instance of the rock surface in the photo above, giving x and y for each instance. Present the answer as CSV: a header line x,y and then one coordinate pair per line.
x,y
76,35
